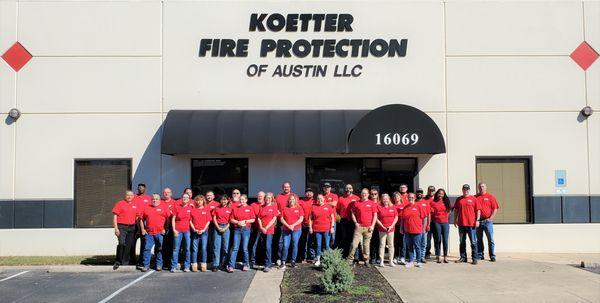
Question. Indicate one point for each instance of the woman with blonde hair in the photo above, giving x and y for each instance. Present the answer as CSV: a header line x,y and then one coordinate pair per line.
x,y
387,217
267,217
291,221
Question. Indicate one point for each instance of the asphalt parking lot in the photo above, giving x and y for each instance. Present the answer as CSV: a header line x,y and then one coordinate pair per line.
x,y
39,285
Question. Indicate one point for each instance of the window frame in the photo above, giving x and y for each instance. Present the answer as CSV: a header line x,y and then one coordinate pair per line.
x,y
528,187
75,160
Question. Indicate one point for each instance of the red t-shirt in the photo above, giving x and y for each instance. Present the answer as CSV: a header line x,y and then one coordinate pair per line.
x,y
363,211
307,205
466,209
266,214
256,206
201,216
424,204
142,201
234,204
399,210
412,219
404,198
213,204
321,217
126,212
183,215
244,213
344,205
331,199
291,215
282,200
169,203
386,215
487,204
439,212
223,214
155,217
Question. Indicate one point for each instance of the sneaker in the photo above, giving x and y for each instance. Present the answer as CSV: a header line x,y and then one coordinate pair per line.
x,y
144,269
419,264
282,266
139,267
214,269
186,270
245,268
318,263
423,261
172,270
395,261
278,262
229,269
407,265
493,259
159,268
293,265
461,260
402,261
474,262
392,264
266,269
116,266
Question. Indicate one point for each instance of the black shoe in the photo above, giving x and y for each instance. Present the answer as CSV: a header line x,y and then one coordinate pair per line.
x,y
140,267
474,262
461,260
481,258
116,266
367,264
293,265
143,269
427,256
215,269
493,259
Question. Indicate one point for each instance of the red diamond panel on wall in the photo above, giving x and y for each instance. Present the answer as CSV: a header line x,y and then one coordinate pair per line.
x,y
16,56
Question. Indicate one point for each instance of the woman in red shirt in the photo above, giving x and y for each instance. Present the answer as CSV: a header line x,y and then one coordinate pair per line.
x,y
242,219
201,218
182,214
221,216
291,221
387,216
412,226
441,208
321,223
267,217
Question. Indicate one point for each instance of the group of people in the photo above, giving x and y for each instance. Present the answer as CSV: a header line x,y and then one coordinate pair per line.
x,y
184,231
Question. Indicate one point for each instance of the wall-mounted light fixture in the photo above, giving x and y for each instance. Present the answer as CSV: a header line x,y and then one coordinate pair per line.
x,y
587,111
14,113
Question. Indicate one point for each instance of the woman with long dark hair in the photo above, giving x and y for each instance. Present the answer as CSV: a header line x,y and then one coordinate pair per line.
x,y
441,209
221,216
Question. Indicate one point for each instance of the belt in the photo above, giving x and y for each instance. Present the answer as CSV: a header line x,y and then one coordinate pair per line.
x,y
127,225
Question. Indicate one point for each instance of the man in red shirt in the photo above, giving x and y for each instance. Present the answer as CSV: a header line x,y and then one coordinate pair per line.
x,y
424,204
488,206
141,200
346,226
125,214
404,193
168,201
255,234
332,200
364,216
429,198
152,226
282,200
466,218
307,250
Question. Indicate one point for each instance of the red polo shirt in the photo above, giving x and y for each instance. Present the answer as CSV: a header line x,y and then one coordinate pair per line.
x,y
266,214
169,203
213,204
291,215
244,213
256,206
201,216
425,205
223,214
345,204
183,215
363,211
439,212
142,201
466,208
321,217
487,204
282,200
412,219
155,217
399,210
307,205
331,199
234,204
126,212
386,215
404,198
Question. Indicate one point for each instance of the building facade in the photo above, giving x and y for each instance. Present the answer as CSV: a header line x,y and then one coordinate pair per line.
x,y
217,95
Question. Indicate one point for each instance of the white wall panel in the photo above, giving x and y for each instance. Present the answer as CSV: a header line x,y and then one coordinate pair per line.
x,y
8,36
514,83
594,152
513,28
592,23
192,82
91,28
76,84
7,153
48,144
555,140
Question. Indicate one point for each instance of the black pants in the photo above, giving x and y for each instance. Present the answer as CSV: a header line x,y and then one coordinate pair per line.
x,y
305,245
167,248
345,232
126,239
374,246
132,253
429,236
398,242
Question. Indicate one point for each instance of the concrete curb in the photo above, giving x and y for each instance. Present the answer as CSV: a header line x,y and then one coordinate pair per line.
x,y
71,268
265,287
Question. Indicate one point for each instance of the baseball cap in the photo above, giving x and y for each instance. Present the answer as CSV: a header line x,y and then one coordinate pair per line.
x,y
326,184
466,186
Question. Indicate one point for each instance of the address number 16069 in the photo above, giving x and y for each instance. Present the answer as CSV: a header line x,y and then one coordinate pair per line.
x,y
396,139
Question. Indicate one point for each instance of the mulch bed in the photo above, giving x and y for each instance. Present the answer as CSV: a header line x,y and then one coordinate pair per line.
x,y
302,285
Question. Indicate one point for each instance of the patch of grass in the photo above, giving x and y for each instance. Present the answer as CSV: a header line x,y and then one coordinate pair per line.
x,y
56,260
359,290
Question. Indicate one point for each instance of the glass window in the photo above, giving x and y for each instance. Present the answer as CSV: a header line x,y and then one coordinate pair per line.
x,y
508,180
219,175
98,185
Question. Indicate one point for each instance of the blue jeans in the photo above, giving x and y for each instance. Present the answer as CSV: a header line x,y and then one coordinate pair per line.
x,y
176,245
220,246
319,238
414,244
268,243
290,236
156,241
440,236
487,227
404,246
332,235
307,249
254,239
463,232
240,235
202,241
423,244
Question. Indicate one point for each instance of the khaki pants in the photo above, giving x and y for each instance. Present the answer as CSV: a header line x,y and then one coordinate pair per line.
x,y
386,238
361,236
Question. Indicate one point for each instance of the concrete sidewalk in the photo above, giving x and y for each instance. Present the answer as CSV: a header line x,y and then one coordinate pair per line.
x,y
513,278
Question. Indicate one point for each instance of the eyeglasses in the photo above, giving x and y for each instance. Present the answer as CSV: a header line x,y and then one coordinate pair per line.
x,y
236,193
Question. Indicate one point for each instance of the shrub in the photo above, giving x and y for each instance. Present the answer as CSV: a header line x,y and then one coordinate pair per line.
x,y
338,275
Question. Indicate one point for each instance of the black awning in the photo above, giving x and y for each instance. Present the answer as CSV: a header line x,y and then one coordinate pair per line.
x,y
288,131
